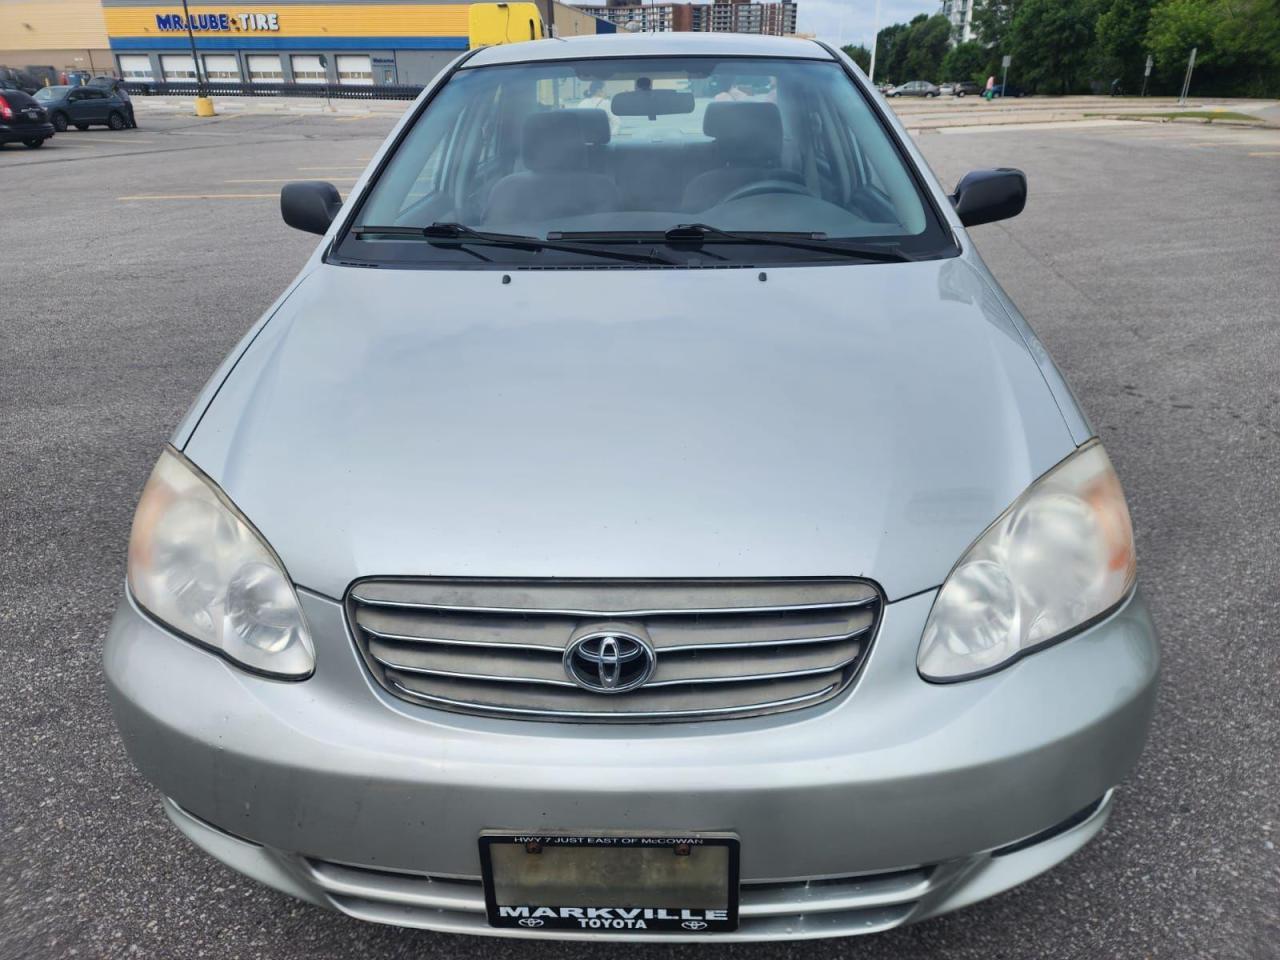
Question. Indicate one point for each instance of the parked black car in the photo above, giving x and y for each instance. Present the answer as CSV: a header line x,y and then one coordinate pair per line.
x,y
81,107
22,119
965,88
1007,90
11,78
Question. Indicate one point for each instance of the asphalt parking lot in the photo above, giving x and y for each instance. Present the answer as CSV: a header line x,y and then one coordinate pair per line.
x,y
1147,261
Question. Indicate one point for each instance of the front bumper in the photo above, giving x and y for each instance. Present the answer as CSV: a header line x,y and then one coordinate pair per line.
x,y
335,792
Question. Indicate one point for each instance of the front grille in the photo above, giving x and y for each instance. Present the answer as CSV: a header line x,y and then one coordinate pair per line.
x,y
721,648
770,910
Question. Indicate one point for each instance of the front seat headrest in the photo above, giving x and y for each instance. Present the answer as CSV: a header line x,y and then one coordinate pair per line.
x,y
558,139
750,129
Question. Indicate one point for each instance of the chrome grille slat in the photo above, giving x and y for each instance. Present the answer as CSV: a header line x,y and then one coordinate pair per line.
x,y
603,614
748,645
519,630
472,707
650,700
605,599
664,636
486,677
744,678
532,667
497,647
487,644
492,678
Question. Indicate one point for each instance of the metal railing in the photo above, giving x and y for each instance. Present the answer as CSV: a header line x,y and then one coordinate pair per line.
x,y
235,88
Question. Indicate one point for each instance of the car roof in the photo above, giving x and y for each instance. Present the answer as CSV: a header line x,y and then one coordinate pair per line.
x,y
650,45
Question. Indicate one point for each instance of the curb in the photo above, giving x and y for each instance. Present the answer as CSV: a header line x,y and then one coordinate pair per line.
x,y
1203,121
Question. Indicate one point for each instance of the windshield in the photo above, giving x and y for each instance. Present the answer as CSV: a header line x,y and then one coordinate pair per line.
x,y
50,93
632,147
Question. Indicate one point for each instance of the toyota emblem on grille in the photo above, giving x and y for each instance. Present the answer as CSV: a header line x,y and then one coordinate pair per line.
x,y
609,662
530,922
694,925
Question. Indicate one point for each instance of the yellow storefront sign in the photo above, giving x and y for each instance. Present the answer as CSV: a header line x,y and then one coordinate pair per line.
x,y
243,21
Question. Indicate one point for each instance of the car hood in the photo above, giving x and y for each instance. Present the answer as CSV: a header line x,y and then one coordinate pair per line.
x,y
848,420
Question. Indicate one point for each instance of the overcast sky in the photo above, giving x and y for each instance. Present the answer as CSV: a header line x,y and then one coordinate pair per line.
x,y
852,21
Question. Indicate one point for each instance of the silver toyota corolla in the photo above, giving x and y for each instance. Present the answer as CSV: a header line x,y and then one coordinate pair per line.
x,y
644,517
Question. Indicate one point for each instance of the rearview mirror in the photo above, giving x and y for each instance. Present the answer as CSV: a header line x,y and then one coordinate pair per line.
x,y
310,205
650,103
985,196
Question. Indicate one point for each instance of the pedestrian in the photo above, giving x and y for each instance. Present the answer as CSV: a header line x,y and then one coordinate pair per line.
x,y
990,92
596,100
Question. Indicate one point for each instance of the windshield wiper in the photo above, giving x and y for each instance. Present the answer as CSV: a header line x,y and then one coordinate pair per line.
x,y
696,234
460,233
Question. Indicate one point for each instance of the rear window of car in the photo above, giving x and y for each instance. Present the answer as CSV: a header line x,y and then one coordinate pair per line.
x,y
17,98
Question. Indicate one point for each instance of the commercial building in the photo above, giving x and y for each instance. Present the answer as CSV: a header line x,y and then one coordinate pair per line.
x,y
59,34
729,16
960,13
359,42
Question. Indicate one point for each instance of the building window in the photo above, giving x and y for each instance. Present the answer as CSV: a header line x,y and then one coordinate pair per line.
x,y
136,68
178,68
355,70
221,67
308,69
264,69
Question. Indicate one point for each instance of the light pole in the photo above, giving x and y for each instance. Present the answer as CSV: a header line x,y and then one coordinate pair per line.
x,y
204,105
875,42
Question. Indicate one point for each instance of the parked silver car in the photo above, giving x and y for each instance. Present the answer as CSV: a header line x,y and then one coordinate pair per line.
x,y
915,88
632,523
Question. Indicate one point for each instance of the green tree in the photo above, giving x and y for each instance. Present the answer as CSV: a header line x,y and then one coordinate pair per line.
x,y
1122,39
993,22
966,61
1247,34
1175,27
1052,44
891,50
927,44
859,54
1237,41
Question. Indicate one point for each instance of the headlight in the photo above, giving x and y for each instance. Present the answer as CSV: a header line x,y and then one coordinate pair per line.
x,y
1056,560
196,564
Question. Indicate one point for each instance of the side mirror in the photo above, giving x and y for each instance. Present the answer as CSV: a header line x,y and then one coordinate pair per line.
x,y
310,205
985,196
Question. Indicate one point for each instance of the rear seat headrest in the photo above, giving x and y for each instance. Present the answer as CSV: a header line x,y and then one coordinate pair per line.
x,y
752,129
558,139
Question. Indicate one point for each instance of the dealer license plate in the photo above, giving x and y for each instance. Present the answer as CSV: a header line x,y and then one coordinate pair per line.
x,y
611,883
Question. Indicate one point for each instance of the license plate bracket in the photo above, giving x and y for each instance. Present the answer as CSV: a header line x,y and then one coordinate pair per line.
x,y
611,883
